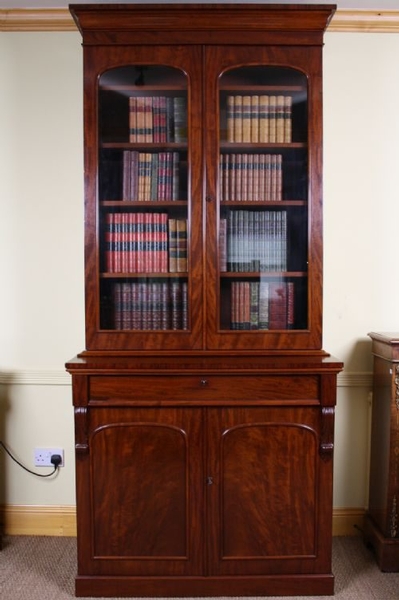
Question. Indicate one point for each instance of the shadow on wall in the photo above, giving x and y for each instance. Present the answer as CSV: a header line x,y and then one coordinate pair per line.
x,y
360,359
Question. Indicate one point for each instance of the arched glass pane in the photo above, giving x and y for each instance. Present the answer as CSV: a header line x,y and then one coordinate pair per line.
x,y
143,198
263,199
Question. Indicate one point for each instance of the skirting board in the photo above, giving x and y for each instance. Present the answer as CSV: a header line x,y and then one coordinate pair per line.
x,y
39,520
61,520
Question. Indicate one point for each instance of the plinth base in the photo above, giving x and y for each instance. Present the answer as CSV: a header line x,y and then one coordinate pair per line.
x,y
386,549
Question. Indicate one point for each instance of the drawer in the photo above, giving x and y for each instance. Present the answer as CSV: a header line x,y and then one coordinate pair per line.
x,y
214,388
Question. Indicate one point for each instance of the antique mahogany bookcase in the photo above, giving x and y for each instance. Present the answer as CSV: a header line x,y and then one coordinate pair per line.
x,y
204,402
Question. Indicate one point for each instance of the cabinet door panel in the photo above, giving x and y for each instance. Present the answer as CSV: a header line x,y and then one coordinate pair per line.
x,y
144,475
265,501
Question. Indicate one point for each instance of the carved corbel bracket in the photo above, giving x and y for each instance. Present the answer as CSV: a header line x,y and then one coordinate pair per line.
x,y
327,432
81,428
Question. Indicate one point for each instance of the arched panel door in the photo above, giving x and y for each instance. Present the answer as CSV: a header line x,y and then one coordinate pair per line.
x,y
267,493
144,491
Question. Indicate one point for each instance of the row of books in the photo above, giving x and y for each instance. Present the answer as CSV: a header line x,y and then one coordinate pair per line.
x,y
149,305
262,305
253,241
251,177
157,119
259,119
151,176
145,243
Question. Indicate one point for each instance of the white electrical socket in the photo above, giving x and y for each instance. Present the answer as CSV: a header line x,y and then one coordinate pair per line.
x,y
42,456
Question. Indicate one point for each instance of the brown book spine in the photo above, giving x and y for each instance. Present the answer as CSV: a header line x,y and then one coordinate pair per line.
x,y
237,175
262,177
175,176
234,168
162,267
264,119
116,294
288,119
223,177
279,184
255,119
243,196
176,304
117,243
246,119
126,303
172,245
140,119
254,305
264,304
148,119
132,119
165,306
181,232
280,119
272,119
234,305
230,118
238,107
268,178
246,305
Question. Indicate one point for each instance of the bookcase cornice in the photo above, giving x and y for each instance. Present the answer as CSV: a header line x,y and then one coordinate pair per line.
x,y
44,19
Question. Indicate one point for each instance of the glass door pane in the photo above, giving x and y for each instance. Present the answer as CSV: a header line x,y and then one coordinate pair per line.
x,y
143,192
263,199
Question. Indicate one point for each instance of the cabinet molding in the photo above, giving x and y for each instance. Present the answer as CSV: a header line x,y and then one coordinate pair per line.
x,y
59,19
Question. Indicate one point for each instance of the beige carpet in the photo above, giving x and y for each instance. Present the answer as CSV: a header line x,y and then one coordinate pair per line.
x,y
43,568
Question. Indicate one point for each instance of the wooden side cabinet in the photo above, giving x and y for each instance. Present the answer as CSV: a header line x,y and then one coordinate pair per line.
x,y
212,479
382,518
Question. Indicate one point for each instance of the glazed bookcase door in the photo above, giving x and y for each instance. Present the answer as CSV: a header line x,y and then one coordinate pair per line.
x,y
263,199
144,272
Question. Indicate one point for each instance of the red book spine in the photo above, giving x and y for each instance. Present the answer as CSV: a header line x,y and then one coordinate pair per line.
x,y
109,243
117,243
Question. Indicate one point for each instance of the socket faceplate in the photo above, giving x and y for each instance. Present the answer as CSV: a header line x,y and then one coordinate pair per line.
x,y
42,456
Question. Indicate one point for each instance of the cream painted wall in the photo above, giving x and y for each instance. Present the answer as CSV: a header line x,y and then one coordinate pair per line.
x,y
361,212
41,244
